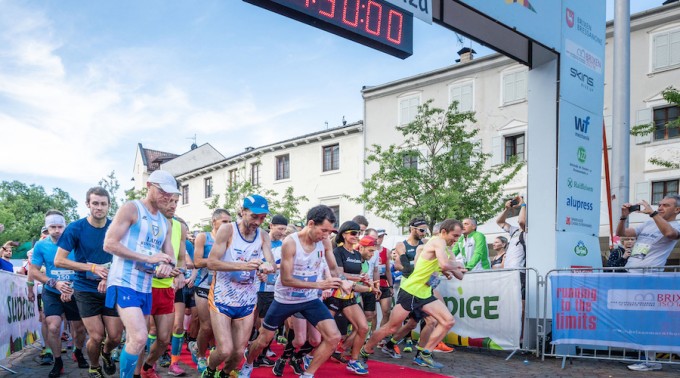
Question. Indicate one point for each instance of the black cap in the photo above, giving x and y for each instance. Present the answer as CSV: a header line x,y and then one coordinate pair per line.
x,y
279,219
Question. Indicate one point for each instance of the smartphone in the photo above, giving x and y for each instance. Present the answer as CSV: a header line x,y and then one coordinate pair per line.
x,y
514,202
634,208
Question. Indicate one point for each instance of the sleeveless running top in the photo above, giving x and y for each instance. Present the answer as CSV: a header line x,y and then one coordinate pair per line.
x,y
204,276
306,267
425,276
166,283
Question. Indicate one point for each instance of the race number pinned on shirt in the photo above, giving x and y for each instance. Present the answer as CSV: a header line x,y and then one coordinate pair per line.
x,y
640,250
63,274
146,267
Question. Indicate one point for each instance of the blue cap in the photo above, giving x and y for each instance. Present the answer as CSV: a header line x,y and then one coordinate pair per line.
x,y
256,203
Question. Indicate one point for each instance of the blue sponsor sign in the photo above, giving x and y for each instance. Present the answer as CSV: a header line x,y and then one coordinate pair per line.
x,y
576,250
633,310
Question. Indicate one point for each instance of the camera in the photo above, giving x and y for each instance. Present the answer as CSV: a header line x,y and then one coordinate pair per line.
x,y
14,244
514,202
634,208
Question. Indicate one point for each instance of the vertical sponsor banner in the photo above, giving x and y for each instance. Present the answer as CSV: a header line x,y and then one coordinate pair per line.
x,y
533,18
487,308
18,315
634,310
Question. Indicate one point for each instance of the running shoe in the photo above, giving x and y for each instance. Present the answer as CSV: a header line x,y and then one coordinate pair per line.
x,y
296,364
279,365
443,348
409,346
270,354
263,361
115,353
151,373
426,360
193,348
339,357
202,364
108,364
47,359
175,370
356,368
394,353
79,358
165,360
57,369
306,361
208,374
95,373
245,371
282,340
645,366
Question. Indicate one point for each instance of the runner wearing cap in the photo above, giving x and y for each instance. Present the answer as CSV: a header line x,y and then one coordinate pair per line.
x,y
57,294
140,240
297,289
236,257
416,292
350,267
85,237
385,272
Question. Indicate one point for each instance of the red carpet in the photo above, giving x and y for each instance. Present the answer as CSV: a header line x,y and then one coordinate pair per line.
x,y
331,368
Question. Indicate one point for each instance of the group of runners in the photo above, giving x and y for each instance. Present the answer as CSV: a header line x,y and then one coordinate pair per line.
x,y
316,287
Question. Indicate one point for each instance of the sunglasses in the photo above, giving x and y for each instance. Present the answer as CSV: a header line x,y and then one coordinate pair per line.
x,y
423,230
352,232
163,192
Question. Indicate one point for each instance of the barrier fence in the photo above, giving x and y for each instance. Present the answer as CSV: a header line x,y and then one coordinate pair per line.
x,y
20,318
612,313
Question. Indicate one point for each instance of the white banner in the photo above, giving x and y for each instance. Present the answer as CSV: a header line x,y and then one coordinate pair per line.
x,y
487,308
19,317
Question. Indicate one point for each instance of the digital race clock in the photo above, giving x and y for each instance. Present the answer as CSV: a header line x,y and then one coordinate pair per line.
x,y
373,23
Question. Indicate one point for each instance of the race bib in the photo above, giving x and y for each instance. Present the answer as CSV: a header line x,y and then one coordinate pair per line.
x,y
63,274
434,280
381,269
243,277
146,267
640,249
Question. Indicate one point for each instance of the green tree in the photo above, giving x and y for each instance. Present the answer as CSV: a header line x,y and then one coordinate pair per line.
x,y
671,95
133,194
111,184
23,208
438,171
286,204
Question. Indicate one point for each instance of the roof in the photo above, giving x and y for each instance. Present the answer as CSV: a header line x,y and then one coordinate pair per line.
x,y
152,159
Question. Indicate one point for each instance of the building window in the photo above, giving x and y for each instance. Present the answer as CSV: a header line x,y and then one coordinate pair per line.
x,y
410,159
283,167
514,87
336,211
666,50
408,109
255,173
661,189
463,94
514,146
331,158
208,187
662,116
233,175
185,194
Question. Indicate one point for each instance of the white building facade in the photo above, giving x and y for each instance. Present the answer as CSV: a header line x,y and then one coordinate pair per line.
x,y
495,88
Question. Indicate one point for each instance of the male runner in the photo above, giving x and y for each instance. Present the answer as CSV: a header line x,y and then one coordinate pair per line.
x,y
163,294
297,289
85,237
416,292
184,299
57,294
140,240
236,257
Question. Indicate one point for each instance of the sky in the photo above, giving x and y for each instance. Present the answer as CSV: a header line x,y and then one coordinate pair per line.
x,y
83,82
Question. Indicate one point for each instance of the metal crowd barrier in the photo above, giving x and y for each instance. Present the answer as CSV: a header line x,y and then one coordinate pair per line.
x,y
599,353
530,340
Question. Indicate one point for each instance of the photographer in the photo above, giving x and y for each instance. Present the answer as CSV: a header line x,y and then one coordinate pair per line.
x,y
656,238
618,257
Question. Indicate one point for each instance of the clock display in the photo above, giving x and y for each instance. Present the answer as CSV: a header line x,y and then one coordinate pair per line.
x,y
373,23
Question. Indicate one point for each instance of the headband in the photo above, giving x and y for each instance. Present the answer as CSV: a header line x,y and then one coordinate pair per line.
x,y
55,219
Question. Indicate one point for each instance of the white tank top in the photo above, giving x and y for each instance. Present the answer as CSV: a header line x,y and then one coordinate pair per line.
x,y
306,267
238,288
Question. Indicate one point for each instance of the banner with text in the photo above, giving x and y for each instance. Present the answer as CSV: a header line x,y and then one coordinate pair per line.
x,y
487,308
634,310
20,318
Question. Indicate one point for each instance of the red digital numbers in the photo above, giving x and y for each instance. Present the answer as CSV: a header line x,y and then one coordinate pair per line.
x,y
373,9
330,14
399,17
354,23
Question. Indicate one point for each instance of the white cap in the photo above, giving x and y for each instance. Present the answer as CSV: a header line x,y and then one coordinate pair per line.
x,y
165,180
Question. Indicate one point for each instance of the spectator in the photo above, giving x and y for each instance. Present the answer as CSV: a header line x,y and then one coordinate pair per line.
x,y
363,223
618,257
500,244
6,250
471,249
656,238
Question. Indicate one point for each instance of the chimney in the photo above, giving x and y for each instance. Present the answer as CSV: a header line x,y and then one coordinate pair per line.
x,y
466,55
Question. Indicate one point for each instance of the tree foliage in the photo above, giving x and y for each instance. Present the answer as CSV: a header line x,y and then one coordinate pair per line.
x,y
450,179
23,208
671,95
111,184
